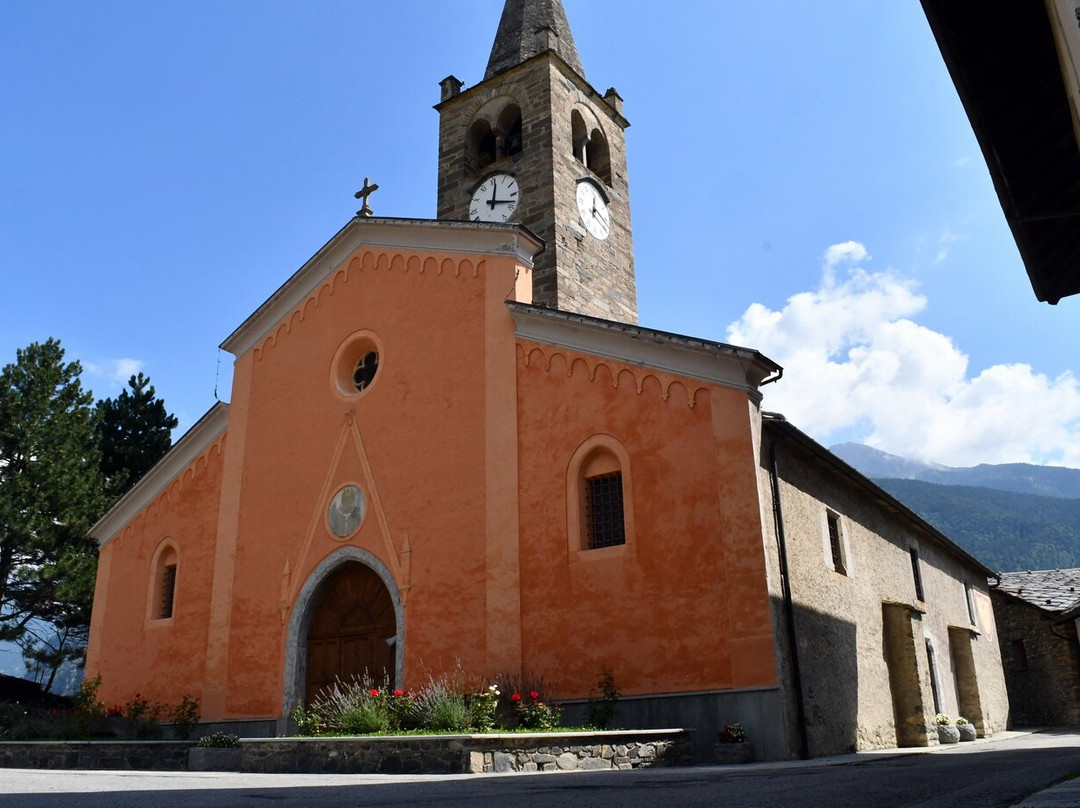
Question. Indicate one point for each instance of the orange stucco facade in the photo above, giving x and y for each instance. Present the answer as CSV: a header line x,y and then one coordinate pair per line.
x,y
465,447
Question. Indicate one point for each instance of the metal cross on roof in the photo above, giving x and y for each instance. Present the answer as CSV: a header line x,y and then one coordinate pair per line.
x,y
364,193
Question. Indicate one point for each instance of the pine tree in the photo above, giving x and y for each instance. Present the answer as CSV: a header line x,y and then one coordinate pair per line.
x,y
50,494
134,432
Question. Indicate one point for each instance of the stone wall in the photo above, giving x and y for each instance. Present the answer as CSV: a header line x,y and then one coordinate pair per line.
x,y
448,754
115,755
1043,677
856,678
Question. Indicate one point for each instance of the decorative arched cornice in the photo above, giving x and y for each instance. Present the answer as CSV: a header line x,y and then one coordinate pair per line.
x,y
367,261
661,386
303,610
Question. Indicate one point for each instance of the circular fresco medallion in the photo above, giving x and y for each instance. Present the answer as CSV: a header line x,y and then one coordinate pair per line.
x,y
346,511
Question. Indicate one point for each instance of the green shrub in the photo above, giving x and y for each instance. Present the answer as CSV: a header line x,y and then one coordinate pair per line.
x,y
219,740
185,716
601,712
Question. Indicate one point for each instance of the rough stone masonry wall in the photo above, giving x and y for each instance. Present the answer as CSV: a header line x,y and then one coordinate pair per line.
x,y
459,754
1046,691
469,754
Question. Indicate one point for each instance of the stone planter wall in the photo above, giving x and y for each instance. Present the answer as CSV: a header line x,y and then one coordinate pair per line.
x,y
427,754
122,755
454,754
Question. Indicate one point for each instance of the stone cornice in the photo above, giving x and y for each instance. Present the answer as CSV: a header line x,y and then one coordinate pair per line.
x,y
194,442
580,81
714,362
473,238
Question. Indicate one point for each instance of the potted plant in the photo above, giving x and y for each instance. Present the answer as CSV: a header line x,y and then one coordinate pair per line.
x,y
733,745
219,752
966,729
946,730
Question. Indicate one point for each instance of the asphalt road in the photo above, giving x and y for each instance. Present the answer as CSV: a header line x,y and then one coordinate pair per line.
x,y
998,774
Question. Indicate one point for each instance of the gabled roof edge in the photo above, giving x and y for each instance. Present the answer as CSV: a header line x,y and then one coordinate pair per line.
x,y
194,442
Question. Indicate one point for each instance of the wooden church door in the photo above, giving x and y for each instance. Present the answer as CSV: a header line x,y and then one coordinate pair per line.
x,y
349,631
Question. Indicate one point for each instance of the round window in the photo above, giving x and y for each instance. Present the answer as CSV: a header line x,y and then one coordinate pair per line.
x,y
356,364
346,511
364,372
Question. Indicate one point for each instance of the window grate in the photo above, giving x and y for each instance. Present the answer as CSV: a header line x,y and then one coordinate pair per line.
x,y
168,590
604,510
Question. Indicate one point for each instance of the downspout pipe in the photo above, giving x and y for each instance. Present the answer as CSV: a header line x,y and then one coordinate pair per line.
x,y
789,606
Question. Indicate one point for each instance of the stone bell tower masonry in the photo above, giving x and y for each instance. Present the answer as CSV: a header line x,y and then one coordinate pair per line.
x,y
535,144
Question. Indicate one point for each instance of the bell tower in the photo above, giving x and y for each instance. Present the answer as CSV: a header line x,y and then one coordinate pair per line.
x,y
535,144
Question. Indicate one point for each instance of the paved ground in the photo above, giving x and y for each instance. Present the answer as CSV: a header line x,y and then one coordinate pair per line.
x,y
998,773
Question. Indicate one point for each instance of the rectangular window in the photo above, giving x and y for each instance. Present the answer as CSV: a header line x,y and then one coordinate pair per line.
x,y
1020,660
969,592
916,574
168,590
836,543
604,510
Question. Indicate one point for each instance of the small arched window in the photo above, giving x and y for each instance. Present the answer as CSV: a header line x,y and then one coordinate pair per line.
x,y
163,585
599,156
579,134
479,146
598,497
510,131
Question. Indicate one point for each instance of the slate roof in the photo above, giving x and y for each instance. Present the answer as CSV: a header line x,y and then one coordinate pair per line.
x,y
1050,590
517,40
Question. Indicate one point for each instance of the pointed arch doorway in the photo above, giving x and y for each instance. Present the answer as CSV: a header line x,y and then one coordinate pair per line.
x,y
353,630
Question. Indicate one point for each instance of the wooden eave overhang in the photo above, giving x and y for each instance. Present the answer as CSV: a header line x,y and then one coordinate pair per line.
x,y
700,359
473,238
1013,78
182,454
779,427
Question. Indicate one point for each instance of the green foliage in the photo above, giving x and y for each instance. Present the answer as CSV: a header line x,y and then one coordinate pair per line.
x,y
307,722
732,733
134,431
601,711
1005,531
483,705
185,716
50,494
356,707
534,713
219,740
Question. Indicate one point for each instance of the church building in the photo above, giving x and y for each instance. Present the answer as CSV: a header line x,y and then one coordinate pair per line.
x,y
450,442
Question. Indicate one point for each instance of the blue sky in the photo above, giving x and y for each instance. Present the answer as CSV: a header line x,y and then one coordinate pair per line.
x,y
803,181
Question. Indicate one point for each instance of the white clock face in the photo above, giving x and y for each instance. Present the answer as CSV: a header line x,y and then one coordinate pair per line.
x,y
495,200
594,210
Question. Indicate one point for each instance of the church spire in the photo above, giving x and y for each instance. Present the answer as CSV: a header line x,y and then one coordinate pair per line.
x,y
528,28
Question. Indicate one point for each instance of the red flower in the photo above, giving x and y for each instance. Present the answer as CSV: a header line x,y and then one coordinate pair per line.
x,y
399,693
515,698
374,692
534,695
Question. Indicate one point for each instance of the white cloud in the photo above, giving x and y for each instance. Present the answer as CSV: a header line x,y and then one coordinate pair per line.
x,y
114,371
858,366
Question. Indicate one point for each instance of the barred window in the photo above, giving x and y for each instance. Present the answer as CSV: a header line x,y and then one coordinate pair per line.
x,y
604,510
162,594
168,592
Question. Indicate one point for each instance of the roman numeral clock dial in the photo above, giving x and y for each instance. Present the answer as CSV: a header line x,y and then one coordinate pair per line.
x,y
495,199
595,214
